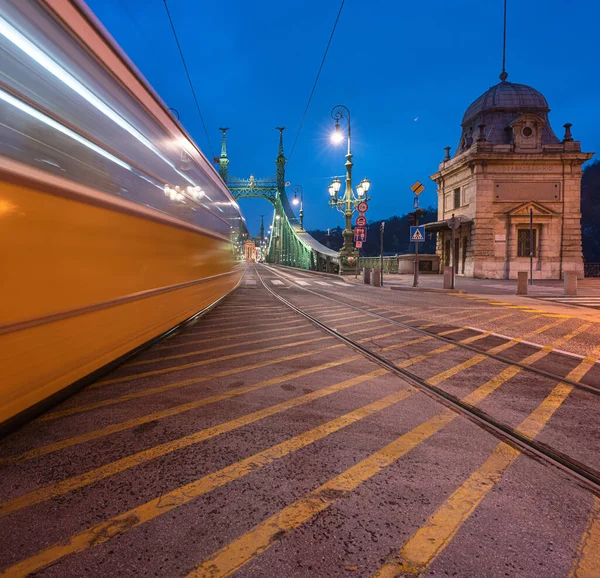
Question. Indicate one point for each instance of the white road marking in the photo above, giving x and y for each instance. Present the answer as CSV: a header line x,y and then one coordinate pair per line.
x,y
323,283
341,283
250,281
276,282
301,282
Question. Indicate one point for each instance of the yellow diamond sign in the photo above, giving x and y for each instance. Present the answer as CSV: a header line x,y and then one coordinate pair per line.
x,y
417,188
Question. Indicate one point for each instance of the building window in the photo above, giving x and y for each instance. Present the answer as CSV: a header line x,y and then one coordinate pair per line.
x,y
456,198
523,243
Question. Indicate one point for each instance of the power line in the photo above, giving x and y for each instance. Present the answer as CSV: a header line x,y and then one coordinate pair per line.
x,y
316,79
189,79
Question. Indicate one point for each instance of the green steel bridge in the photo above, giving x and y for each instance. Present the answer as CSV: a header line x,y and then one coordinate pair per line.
x,y
289,243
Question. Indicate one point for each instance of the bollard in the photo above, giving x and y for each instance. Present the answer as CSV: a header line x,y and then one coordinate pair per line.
x,y
570,283
447,278
376,277
522,283
367,275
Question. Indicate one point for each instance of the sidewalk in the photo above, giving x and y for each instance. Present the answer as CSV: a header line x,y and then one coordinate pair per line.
x,y
540,288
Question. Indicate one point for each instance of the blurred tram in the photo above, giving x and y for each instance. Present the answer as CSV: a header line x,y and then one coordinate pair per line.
x,y
114,227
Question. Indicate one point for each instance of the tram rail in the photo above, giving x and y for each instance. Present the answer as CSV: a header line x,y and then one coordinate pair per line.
x,y
582,473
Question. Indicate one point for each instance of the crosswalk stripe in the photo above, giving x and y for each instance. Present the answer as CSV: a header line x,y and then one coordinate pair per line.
x,y
250,281
276,282
301,282
323,283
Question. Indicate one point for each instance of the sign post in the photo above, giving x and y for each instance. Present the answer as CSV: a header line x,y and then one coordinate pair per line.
x,y
381,228
418,236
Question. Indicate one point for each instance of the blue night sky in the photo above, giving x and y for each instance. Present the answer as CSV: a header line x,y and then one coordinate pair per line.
x,y
406,70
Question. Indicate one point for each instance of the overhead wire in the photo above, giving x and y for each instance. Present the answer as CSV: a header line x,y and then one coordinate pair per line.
x,y
190,79
316,79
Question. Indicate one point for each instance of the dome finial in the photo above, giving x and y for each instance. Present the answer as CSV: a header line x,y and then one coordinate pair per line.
x,y
504,74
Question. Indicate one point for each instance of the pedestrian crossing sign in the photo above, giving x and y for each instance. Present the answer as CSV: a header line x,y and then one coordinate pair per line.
x,y
417,234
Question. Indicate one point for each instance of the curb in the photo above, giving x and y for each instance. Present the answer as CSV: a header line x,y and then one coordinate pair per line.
x,y
427,290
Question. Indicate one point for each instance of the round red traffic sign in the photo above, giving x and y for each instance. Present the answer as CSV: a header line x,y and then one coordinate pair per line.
x,y
362,207
361,221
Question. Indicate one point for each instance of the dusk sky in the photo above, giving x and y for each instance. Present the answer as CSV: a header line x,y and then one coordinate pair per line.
x,y
406,70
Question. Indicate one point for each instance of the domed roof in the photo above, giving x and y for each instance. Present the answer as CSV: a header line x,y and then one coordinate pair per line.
x,y
507,97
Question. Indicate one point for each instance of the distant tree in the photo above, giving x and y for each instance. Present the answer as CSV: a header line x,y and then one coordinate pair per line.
x,y
590,212
395,238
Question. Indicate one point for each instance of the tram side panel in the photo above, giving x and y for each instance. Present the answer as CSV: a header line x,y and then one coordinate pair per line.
x,y
84,284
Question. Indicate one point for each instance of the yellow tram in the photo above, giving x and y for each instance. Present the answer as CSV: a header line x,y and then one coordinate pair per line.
x,y
114,227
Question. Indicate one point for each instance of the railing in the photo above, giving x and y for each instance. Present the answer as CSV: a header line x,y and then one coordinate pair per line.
x,y
390,264
591,269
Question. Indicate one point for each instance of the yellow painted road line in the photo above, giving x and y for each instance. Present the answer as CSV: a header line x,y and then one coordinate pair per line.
x,y
431,539
301,325
218,348
175,410
144,456
178,384
232,557
436,379
204,362
174,499
587,559
199,329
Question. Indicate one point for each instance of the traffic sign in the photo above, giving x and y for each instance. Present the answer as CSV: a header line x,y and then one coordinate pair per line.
x,y
417,188
359,244
417,234
363,207
360,234
361,221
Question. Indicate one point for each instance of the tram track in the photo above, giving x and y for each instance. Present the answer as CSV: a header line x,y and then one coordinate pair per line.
x,y
582,473
537,371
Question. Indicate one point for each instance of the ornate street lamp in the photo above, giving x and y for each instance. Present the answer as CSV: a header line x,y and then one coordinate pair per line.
x,y
298,189
346,204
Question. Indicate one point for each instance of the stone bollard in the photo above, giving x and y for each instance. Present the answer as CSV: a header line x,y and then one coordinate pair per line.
x,y
570,283
522,283
376,277
367,275
447,277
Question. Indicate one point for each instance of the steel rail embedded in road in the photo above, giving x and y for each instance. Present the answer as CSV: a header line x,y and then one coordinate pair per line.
x,y
584,386
587,476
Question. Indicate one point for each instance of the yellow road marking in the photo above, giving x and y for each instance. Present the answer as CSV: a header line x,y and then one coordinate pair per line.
x,y
587,560
239,552
176,410
432,538
197,328
234,336
218,348
176,385
105,471
203,362
456,369
168,502
229,559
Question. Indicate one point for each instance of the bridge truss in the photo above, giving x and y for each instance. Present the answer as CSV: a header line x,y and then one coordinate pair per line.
x,y
289,243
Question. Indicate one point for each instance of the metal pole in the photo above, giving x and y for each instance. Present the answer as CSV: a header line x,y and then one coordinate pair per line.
x,y
452,254
416,273
381,227
531,246
357,260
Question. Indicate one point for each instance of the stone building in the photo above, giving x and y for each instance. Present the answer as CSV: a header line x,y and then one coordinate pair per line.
x,y
509,164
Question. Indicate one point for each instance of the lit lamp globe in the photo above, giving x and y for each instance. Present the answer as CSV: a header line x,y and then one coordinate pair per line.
x,y
337,137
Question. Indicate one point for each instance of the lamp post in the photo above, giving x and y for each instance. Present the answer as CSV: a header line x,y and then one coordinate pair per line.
x,y
347,203
298,189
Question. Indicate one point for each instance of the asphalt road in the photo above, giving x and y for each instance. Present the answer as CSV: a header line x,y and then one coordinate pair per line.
x,y
257,444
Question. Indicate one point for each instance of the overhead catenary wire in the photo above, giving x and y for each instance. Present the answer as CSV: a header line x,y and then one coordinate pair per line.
x,y
189,79
316,79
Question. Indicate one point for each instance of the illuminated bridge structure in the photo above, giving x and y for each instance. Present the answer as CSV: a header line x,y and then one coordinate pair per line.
x,y
289,244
